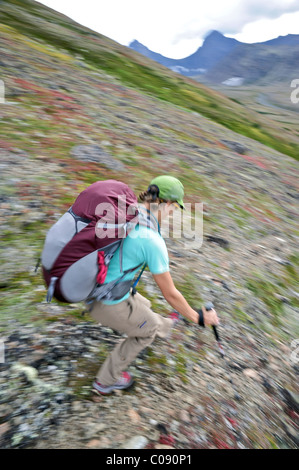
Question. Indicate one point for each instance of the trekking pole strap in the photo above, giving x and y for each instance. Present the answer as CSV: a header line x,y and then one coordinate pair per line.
x,y
201,318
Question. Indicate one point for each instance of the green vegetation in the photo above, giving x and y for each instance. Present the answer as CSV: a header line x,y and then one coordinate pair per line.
x,y
276,291
87,368
189,286
139,73
292,270
181,364
267,292
46,32
240,316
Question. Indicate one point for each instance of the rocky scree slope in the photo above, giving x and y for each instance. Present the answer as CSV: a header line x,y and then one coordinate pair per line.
x,y
66,124
35,21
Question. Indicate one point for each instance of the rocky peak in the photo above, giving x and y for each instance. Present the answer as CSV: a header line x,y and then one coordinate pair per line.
x,y
215,38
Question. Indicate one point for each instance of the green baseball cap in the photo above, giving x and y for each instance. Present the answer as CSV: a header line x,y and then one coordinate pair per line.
x,y
170,189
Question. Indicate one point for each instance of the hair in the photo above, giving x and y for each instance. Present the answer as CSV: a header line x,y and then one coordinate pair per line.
x,y
151,195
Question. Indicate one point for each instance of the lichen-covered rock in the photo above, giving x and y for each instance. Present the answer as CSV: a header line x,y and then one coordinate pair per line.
x,y
95,154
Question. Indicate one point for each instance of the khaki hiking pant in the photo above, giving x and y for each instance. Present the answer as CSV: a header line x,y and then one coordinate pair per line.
x,y
135,318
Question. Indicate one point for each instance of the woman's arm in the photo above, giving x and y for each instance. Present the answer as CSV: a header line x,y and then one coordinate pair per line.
x,y
178,301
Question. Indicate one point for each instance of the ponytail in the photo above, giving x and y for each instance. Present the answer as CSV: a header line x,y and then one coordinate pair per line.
x,y
151,195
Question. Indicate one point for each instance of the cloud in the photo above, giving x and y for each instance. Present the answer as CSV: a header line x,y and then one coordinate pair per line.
x,y
231,16
257,9
174,28
265,29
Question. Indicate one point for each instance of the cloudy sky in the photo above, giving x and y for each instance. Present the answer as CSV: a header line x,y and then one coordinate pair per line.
x,y
176,28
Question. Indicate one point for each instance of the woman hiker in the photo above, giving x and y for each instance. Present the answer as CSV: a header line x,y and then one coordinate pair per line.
x,y
132,315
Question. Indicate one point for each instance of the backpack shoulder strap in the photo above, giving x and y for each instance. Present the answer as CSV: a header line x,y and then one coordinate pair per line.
x,y
147,219
134,286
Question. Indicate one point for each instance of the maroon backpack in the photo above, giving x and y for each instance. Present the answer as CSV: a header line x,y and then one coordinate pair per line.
x,y
80,245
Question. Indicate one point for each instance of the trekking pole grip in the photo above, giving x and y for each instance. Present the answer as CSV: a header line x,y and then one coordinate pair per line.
x,y
210,306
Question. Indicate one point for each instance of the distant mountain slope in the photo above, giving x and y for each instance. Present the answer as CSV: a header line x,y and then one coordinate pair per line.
x,y
34,21
215,48
258,63
221,58
288,40
138,47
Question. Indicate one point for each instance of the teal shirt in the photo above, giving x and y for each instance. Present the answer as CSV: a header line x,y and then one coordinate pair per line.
x,y
142,245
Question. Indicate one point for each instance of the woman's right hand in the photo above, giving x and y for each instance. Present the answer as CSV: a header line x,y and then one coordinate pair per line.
x,y
210,317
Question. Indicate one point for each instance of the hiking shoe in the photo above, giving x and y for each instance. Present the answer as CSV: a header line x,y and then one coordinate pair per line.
x,y
126,380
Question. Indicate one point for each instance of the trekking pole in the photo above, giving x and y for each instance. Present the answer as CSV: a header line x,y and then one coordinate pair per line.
x,y
210,306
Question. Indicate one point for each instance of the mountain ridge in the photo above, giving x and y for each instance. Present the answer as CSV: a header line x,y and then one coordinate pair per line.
x,y
139,72
217,58
212,40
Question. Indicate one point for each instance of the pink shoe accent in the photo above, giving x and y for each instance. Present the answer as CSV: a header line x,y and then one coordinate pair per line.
x,y
125,381
174,316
